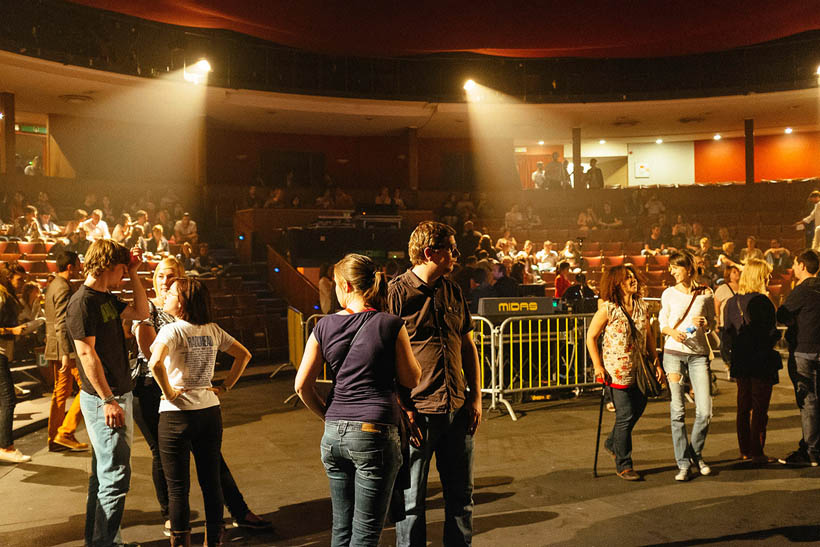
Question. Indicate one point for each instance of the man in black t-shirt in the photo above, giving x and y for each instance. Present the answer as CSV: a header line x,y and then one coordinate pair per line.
x,y
654,243
94,320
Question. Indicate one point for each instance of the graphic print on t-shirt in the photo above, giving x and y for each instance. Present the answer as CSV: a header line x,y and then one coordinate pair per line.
x,y
199,361
108,312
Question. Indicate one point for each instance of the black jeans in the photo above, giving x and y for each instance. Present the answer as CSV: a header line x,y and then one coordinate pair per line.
x,y
147,396
629,406
7,402
200,432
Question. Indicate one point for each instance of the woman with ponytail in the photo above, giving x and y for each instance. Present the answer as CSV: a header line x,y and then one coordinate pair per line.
x,y
368,352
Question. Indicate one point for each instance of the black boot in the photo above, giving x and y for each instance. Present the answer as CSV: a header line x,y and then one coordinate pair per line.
x,y
214,536
181,539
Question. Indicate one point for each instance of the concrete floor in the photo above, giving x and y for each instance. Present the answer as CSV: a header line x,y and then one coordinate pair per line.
x,y
533,481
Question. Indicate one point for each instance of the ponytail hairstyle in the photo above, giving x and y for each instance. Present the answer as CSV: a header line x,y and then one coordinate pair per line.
x,y
365,277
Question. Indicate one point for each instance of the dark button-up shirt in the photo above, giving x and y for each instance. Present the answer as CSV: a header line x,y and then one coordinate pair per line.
x,y
436,318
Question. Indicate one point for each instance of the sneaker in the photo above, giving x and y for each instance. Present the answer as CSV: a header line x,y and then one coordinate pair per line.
x,y
167,528
798,458
688,396
683,474
610,407
21,391
251,520
704,468
52,447
70,443
13,456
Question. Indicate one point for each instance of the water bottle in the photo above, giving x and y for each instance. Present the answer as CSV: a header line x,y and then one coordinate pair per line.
x,y
691,331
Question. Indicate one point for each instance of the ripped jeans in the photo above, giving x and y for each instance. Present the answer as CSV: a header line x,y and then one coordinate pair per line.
x,y
697,367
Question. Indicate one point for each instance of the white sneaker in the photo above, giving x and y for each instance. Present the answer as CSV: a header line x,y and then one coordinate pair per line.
x,y
683,474
14,456
704,469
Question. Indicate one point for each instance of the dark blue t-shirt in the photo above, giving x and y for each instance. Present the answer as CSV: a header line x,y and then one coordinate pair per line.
x,y
364,380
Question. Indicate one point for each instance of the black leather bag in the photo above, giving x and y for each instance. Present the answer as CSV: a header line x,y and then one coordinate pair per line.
x,y
645,377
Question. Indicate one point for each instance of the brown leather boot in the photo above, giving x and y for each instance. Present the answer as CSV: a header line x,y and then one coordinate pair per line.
x,y
181,539
214,537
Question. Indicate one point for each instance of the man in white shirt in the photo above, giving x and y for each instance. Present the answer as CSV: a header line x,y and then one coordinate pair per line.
x,y
95,227
813,218
185,230
538,180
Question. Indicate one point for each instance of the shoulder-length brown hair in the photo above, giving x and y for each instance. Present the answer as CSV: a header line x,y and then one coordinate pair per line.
x,y
611,283
194,301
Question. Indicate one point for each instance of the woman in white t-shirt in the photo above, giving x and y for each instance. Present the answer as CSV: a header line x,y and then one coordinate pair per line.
x,y
686,317
183,356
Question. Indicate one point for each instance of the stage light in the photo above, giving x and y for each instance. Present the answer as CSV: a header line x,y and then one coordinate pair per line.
x,y
540,143
197,73
658,141
602,141
469,85
818,70
788,131
717,137
2,115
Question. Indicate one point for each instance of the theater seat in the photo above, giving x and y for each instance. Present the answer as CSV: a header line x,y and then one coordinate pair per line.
x,y
34,266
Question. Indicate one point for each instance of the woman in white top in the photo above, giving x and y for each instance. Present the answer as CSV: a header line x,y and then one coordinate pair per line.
x,y
686,317
183,356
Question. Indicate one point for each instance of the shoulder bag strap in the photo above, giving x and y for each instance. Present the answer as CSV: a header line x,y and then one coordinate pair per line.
x,y
695,292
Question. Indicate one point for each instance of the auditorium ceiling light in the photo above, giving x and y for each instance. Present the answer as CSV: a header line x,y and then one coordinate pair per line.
x,y
469,85
658,141
540,143
818,70
788,131
717,137
197,73
602,141
2,115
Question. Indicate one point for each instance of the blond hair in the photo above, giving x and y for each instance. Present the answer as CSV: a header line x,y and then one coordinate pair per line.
x,y
754,277
168,262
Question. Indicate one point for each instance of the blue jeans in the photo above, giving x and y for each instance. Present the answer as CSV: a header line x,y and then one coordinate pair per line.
x,y
697,368
444,435
110,470
806,390
629,406
362,465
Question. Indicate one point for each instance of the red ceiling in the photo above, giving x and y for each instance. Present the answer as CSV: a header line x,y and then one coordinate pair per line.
x,y
636,28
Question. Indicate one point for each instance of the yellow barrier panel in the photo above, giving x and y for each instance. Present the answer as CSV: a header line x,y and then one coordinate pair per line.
x,y
296,337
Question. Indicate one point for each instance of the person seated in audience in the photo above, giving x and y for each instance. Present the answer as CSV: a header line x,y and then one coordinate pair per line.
x,y
325,201
580,290
467,240
107,209
587,220
480,287
778,257
571,254
296,202
383,197
142,221
398,201
677,241
122,231
252,200
695,235
526,253
18,202
562,281
465,208
683,227
44,205
547,257
519,274
654,206
750,251
157,245
447,212
276,199
78,242
484,208
90,201
80,216
137,239
344,200
502,249
185,230
47,227
728,257
723,237
186,257
507,236
531,220
35,168
514,218
607,218
95,227
26,227
503,286
654,244
485,244
701,276
708,255
205,263
164,219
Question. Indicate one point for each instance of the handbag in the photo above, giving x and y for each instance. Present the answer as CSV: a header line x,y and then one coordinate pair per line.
x,y
712,339
645,377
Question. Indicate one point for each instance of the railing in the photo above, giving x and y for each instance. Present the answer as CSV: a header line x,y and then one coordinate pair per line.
x,y
290,284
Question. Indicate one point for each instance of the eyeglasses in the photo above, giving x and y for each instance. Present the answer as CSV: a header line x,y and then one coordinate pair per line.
x,y
451,248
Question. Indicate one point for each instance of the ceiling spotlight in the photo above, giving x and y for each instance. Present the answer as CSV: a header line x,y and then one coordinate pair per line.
x,y
197,72
540,143
2,115
717,137
658,141
470,85
788,131
818,70
602,141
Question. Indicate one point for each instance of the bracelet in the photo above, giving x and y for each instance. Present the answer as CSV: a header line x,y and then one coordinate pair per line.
x,y
107,400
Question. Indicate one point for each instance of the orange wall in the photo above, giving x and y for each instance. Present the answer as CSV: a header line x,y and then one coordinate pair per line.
x,y
776,157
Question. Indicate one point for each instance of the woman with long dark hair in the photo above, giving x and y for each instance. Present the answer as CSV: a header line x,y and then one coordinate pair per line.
x,y
687,315
9,329
183,356
624,323
368,352
749,335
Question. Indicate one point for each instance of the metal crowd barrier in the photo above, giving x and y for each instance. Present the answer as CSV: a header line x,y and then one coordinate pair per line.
x,y
521,355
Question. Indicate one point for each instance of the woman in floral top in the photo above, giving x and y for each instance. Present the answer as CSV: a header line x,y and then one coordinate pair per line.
x,y
620,302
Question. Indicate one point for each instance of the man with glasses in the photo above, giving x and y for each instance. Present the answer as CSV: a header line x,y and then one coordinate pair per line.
x,y
444,410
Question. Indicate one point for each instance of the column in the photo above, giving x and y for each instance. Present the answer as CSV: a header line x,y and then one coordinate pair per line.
x,y
413,158
749,125
577,170
7,149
